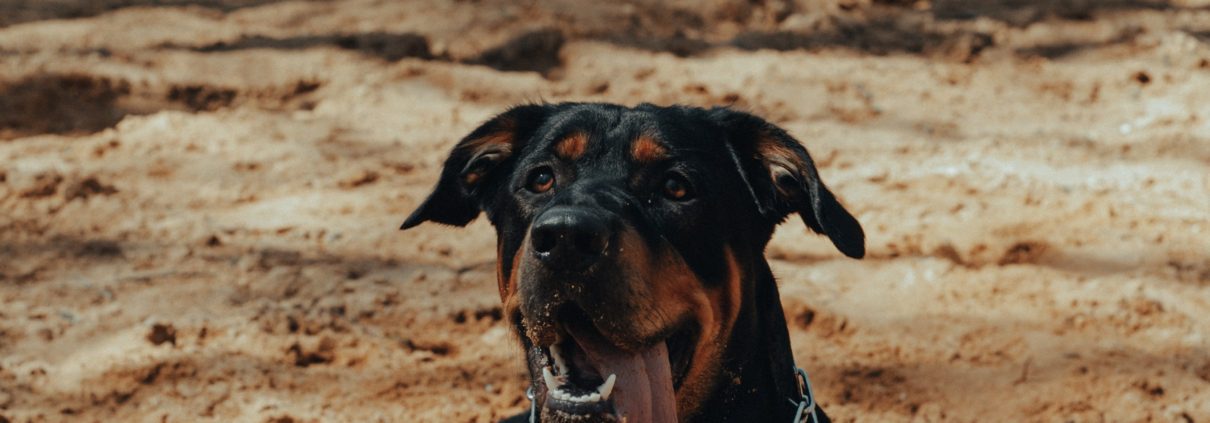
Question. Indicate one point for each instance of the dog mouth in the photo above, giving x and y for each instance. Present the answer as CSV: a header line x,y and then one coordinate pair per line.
x,y
585,377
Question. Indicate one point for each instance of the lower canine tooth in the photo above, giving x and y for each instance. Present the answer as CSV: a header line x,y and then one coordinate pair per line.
x,y
551,384
594,397
557,354
607,388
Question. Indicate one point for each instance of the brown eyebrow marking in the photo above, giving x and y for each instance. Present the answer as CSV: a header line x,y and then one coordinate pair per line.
x,y
646,149
572,147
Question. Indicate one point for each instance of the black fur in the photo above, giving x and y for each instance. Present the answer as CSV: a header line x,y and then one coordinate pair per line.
x,y
740,193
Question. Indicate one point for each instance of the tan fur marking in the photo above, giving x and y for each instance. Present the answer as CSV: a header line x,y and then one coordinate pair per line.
x,y
647,150
472,178
679,292
779,159
717,318
501,140
672,297
508,283
772,151
572,147
510,301
500,277
511,308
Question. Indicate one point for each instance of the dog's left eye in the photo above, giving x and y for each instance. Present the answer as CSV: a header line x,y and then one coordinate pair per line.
x,y
540,180
676,188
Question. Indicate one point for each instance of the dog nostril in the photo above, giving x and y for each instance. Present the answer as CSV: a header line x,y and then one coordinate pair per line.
x,y
589,243
544,241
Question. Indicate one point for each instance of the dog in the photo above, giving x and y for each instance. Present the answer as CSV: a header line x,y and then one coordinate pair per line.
x,y
631,264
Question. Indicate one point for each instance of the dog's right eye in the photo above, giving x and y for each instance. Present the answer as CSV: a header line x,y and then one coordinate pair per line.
x,y
676,188
540,180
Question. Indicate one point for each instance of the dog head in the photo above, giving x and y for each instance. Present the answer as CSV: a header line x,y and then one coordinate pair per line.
x,y
623,237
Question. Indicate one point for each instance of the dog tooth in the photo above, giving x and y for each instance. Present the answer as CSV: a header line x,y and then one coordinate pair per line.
x,y
594,397
557,354
607,388
549,379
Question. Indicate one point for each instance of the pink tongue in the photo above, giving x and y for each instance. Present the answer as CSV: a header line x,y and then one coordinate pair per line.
x,y
643,391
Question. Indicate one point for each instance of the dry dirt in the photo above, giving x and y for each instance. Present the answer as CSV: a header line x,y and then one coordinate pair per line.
x,y
199,201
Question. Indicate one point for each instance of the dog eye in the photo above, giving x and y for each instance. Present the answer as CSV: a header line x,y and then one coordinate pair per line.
x,y
540,180
676,188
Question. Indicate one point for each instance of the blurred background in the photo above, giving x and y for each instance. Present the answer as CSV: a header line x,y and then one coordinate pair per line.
x,y
199,200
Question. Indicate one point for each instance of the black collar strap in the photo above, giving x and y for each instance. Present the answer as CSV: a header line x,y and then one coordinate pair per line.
x,y
533,404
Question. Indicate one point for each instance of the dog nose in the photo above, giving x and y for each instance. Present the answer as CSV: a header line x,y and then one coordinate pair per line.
x,y
569,238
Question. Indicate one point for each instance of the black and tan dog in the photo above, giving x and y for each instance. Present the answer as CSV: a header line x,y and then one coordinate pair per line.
x,y
631,254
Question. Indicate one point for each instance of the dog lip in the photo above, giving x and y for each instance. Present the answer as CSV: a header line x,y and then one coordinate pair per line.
x,y
539,325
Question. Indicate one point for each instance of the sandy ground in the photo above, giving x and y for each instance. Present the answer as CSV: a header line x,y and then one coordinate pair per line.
x,y
199,201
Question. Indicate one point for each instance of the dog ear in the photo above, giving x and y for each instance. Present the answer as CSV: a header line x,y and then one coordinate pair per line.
x,y
473,164
782,179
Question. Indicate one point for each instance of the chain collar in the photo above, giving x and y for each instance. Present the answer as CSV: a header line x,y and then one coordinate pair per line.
x,y
806,404
533,404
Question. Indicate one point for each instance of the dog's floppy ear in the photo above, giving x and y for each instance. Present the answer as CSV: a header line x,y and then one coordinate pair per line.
x,y
783,179
473,164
